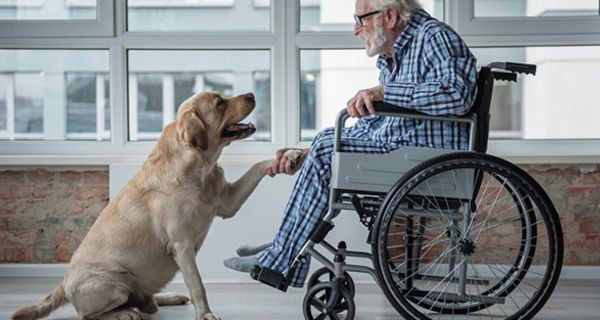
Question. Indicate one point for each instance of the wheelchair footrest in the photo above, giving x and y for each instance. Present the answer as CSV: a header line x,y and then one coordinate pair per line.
x,y
270,277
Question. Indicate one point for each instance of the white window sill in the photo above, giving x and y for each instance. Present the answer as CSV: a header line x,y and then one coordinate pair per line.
x,y
65,161
105,153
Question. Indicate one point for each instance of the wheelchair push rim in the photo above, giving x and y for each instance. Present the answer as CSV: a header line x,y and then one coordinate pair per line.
x,y
442,250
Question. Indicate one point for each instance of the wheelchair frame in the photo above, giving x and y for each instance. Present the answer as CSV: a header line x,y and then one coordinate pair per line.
x,y
361,182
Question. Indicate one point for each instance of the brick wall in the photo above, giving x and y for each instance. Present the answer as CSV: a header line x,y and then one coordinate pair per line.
x,y
44,213
575,192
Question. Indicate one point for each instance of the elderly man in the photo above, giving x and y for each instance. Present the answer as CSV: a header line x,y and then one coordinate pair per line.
x,y
424,65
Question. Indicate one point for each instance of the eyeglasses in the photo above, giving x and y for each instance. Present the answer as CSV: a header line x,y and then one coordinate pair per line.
x,y
359,19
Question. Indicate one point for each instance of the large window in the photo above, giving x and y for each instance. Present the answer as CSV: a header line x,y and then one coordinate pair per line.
x,y
47,9
322,96
103,78
56,18
88,108
336,15
54,95
198,15
546,114
535,8
159,80
551,104
4,94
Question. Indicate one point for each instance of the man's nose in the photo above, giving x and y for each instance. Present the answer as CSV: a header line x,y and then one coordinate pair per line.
x,y
357,28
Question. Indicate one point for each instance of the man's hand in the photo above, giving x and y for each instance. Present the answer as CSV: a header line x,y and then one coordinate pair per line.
x,y
285,163
362,103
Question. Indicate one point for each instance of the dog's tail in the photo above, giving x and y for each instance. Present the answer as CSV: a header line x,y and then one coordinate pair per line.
x,y
55,299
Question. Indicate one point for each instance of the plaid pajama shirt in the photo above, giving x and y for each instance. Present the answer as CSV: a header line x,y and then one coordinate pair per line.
x,y
433,72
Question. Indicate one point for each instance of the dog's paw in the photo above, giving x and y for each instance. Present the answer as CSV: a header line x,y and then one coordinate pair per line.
x,y
122,314
293,154
210,316
170,298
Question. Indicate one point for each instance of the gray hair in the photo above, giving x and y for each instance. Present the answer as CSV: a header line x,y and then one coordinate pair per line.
x,y
405,8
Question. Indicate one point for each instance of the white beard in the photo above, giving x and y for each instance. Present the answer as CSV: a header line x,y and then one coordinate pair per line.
x,y
376,42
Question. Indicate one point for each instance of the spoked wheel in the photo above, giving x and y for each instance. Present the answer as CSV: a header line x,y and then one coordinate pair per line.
x,y
319,303
325,275
467,236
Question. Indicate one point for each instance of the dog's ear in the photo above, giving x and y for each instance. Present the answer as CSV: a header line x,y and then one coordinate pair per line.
x,y
191,130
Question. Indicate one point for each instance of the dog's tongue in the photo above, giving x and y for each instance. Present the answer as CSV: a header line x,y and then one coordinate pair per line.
x,y
238,129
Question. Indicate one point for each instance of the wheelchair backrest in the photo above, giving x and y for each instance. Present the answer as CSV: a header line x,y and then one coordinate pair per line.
x,y
481,108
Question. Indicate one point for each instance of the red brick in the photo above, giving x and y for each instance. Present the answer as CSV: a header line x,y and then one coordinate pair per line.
x,y
62,255
62,238
87,193
15,191
578,192
591,179
45,192
12,177
95,208
7,207
11,238
40,176
76,211
69,177
20,222
95,178
17,255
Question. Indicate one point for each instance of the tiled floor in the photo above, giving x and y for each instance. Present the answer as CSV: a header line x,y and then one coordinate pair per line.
x,y
572,300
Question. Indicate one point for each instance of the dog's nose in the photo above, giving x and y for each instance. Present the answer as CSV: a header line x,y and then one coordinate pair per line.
x,y
249,96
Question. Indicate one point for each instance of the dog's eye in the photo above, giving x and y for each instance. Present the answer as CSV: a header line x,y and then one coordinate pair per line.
x,y
221,103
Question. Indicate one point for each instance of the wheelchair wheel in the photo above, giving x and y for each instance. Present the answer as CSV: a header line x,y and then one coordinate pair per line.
x,y
467,234
325,275
318,303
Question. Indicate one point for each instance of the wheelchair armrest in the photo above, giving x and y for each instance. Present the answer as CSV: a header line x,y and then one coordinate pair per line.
x,y
387,109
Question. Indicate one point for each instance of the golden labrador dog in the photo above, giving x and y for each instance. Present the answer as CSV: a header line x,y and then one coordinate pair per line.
x,y
157,223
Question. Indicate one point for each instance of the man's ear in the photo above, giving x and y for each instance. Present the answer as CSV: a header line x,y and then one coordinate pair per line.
x,y
191,131
391,18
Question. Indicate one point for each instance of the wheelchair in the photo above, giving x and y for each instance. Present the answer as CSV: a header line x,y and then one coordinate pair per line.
x,y
453,234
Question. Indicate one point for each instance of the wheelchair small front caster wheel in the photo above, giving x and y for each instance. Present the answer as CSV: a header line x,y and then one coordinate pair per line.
x,y
325,275
318,303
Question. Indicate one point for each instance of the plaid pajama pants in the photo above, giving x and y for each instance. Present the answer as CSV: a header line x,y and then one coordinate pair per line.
x,y
309,200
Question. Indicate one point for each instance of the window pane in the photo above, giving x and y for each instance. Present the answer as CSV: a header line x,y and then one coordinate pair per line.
x,y
29,103
55,94
535,8
547,106
3,97
87,104
199,15
336,15
160,80
48,9
321,96
551,104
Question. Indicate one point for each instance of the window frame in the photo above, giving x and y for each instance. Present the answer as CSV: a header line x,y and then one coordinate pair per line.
x,y
467,24
184,3
484,32
119,148
284,40
103,25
